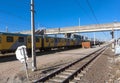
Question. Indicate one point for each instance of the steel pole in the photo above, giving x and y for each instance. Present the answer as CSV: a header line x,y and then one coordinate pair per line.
x,y
79,22
33,37
113,43
94,39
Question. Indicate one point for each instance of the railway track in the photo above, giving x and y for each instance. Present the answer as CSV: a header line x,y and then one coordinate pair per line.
x,y
71,73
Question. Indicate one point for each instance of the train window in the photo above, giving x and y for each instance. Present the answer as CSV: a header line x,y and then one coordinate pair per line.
x,y
52,40
47,40
21,39
58,40
55,39
9,39
82,38
68,40
37,39
0,39
29,40
62,40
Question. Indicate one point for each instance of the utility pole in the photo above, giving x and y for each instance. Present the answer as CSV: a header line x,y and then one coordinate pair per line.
x,y
113,45
94,39
112,34
79,22
33,37
6,28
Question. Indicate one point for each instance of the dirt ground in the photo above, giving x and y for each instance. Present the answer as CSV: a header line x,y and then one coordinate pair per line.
x,y
108,66
105,70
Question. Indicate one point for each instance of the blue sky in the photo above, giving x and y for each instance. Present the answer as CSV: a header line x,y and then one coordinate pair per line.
x,y
15,14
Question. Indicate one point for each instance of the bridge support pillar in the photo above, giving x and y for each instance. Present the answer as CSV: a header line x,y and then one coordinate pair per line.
x,y
113,42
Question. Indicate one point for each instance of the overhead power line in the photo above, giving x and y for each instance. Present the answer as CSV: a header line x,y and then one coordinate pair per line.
x,y
92,11
97,22
78,3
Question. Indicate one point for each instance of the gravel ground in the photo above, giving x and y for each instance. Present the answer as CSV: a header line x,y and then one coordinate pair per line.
x,y
13,71
105,70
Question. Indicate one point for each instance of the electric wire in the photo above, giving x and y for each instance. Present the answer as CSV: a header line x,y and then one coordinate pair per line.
x,y
97,22
92,11
78,3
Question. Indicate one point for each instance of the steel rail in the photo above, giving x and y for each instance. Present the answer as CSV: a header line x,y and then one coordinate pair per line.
x,y
56,72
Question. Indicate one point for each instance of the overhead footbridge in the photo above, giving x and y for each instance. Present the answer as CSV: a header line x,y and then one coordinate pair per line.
x,y
88,28
76,29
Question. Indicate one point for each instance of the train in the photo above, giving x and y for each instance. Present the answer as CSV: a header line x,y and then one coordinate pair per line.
x,y
10,41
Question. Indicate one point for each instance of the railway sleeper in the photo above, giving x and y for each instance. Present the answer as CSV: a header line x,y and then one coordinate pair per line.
x,y
80,75
74,81
62,76
77,78
57,80
50,81
67,73
70,70
83,72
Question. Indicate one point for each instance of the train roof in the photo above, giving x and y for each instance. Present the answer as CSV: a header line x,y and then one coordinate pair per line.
x,y
15,34
19,34
57,37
